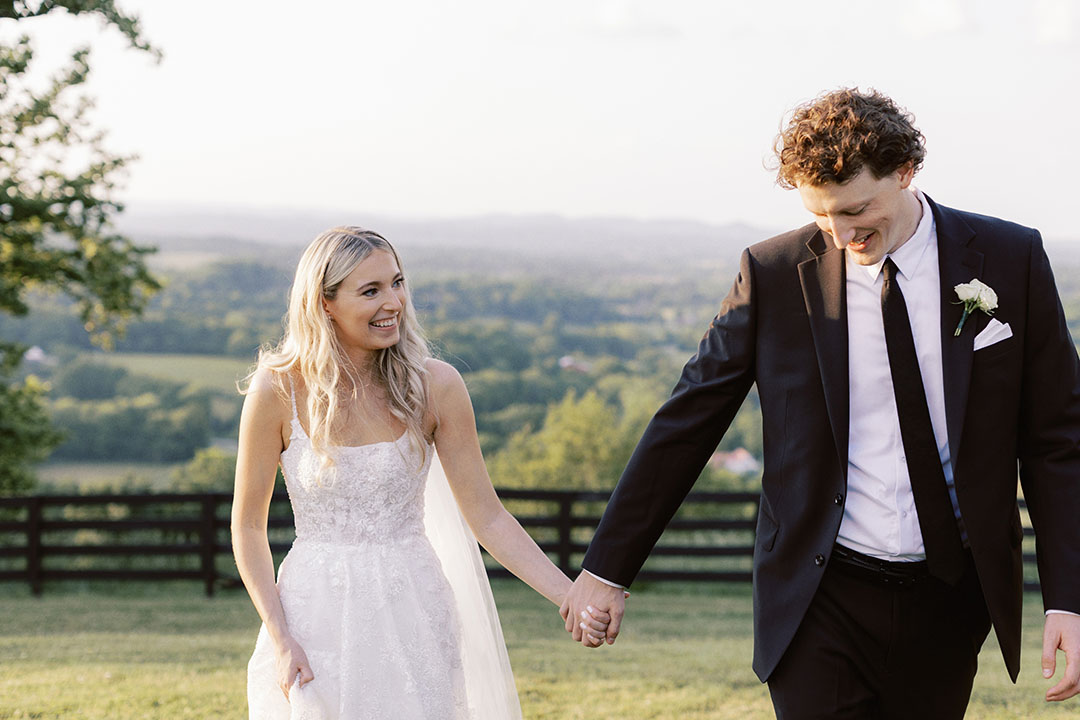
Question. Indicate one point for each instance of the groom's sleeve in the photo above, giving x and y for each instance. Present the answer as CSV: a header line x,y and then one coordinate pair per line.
x,y
680,438
1049,442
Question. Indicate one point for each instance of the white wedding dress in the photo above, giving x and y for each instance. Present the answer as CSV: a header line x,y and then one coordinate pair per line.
x,y
385,592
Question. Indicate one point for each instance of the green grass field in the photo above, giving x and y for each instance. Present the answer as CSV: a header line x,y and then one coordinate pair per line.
x,y
94,476
199,371
164,651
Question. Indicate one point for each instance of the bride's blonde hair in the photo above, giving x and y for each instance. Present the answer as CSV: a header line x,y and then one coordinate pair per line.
x,y
310,346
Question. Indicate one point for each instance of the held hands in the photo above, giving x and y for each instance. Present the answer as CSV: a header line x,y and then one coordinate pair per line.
x,y
593,611
291,661
1062,632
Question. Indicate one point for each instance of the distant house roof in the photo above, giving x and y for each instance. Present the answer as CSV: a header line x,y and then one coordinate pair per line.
x,y
39,356
569,362
739,461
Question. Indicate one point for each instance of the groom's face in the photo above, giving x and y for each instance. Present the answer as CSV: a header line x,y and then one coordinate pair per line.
x,y
868,217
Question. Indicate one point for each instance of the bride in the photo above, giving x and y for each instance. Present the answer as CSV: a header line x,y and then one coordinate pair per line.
x,y
382,608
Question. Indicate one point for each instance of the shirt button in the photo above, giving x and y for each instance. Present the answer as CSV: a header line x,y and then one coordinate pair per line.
x,y
838,499
819,559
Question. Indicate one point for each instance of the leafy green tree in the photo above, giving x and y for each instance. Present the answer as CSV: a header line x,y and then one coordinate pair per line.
x,y
26,436
130,428
56,186
171,392
573,449
210,470
106,9
85,379
584,443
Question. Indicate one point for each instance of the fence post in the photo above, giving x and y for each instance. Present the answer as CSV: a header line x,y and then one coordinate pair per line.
x,y
566,506
33,544
208,542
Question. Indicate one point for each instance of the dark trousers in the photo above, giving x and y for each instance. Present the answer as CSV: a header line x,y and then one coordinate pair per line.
x,y
867,649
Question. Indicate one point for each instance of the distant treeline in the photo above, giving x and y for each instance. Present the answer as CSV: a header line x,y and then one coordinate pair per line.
x,y
560,370
107,413
231,308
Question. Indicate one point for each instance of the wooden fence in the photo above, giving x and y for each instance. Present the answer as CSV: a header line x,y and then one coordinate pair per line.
x,y
186,536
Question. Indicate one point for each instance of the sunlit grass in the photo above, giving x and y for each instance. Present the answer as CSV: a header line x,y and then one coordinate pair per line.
x,y
216,372
91,476
116,651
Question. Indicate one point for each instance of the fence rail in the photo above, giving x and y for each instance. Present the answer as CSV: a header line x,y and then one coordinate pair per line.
x,y
186,536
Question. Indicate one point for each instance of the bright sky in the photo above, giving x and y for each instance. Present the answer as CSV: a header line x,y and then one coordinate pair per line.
x,y
428,108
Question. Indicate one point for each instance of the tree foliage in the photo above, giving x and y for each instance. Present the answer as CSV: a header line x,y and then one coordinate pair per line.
x,y
211,470
85,379
26,435
573,449
139,428
128,25
585,442
56,203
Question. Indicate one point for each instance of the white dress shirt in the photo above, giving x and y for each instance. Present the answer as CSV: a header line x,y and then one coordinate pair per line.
x,y
879,515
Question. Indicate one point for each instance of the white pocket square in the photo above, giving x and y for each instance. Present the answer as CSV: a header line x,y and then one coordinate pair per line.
x,y
994,332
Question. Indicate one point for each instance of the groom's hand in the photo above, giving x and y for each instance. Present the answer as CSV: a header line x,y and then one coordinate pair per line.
x,y
1061,631
588,595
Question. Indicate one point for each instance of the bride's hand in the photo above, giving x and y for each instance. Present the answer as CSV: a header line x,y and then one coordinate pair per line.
x,y
291,661
594,624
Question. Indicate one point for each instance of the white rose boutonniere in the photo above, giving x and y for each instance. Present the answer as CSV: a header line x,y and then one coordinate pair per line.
x,y
975,295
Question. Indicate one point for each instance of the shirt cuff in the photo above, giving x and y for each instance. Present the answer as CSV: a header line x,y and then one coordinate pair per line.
x,y
1048,612
614,584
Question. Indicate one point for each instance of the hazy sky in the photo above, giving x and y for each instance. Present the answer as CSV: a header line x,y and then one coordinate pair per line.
x,y
614,107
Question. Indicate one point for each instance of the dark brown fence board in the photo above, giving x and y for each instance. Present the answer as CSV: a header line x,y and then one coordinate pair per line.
x,y
191,525
196,526
122,550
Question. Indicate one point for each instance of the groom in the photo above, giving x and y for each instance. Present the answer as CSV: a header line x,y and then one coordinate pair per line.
x,y
895,416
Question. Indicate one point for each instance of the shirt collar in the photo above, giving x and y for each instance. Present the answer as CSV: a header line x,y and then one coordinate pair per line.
x,y
908,257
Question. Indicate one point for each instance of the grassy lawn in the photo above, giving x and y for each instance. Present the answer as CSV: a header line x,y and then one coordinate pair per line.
x,y
199,371
94,476
164,651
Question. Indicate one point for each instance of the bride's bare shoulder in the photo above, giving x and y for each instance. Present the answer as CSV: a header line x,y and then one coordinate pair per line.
x,y
447,394
269,389
443,376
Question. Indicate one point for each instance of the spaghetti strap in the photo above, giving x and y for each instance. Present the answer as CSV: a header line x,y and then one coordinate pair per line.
x,y
292,397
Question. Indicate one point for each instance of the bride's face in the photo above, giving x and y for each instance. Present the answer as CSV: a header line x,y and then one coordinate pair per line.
x,y
368,305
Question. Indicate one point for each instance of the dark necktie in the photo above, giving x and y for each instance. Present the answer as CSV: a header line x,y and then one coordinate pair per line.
x,y
941,536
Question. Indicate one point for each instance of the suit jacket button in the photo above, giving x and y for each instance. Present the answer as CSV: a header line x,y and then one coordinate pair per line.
x,y
838,499
819,559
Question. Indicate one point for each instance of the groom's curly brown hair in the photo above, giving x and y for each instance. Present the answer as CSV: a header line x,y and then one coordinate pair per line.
x,y
834,136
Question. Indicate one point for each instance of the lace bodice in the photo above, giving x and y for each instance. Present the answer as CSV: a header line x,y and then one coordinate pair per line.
x,y
366,595
376,492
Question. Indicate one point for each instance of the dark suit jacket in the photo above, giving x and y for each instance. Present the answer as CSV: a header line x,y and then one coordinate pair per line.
x,y
784,326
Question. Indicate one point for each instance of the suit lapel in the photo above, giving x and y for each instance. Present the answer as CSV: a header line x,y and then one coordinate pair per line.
x,y
958,264
822,279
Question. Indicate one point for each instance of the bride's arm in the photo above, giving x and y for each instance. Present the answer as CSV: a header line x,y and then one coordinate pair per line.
x,y
262,420
495,528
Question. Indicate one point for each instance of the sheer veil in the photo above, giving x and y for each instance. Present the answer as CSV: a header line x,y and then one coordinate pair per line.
x,y
489,681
